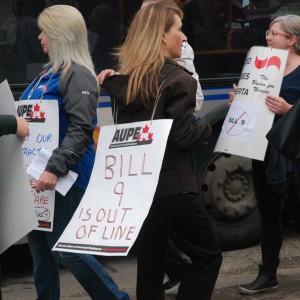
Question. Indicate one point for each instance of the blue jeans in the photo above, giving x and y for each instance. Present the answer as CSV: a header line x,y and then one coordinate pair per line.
x,y
86,268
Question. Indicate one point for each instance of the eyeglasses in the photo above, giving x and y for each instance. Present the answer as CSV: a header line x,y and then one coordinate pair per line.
x,y
273,33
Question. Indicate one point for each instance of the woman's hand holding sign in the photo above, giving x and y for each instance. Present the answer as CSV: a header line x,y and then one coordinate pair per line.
x,y
231,94
47,181
277,105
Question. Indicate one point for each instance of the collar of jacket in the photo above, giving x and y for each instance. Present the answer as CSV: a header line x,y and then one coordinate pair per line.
x,y
171,66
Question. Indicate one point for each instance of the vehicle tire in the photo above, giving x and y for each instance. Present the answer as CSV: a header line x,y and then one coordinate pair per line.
x,y
226,189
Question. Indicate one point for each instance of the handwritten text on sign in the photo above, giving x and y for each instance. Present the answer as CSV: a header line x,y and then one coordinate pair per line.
x,y
120,191
43,126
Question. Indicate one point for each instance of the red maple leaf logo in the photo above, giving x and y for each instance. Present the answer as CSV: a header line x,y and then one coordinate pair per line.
x,y
146,129
36,107
145,135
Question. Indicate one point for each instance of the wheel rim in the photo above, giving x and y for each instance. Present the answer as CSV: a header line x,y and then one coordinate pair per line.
x,y
227,190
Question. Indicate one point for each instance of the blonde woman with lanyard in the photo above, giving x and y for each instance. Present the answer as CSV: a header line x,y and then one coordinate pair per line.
x,y
69,78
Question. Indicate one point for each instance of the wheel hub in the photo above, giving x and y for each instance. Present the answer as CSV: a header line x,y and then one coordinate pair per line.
x,y
226,187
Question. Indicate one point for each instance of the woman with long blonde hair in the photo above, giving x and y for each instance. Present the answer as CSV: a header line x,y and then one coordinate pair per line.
x,y
149,73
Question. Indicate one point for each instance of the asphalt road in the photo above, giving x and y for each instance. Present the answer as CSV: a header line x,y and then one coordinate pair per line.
x,y
239,266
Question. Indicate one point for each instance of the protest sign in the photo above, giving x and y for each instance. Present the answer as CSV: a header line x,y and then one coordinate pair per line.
x,y
120,191
249,119
16,208
42,116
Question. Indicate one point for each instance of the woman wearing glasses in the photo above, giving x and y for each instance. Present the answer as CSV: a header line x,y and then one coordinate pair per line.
x,y
283,33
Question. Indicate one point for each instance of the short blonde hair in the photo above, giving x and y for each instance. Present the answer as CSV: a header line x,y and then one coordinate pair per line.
x,y
66,31
142,54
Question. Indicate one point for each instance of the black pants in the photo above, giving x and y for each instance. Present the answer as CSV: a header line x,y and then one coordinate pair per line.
x,y
269,206
176,262
183,218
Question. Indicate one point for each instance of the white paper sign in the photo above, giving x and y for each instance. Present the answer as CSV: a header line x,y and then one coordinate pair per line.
x,y
38,165
249,119
43,126
120,191
16,208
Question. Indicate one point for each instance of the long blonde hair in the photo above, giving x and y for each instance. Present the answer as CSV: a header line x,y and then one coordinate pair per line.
x,y
142,56
66,31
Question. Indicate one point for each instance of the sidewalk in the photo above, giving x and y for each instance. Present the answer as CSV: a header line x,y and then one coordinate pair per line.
x,y
239,266
226,287
289,287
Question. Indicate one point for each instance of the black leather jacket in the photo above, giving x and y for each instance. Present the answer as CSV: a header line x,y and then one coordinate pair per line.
x,y
177,102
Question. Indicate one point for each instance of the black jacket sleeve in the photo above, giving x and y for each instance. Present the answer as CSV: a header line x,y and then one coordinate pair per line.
x,y
80,95
8,124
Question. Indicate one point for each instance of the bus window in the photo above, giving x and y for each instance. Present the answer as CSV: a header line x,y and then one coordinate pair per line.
x,y
221,32
21,56
103,34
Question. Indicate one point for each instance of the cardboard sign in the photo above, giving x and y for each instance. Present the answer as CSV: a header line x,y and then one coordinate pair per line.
x,y
16,208
43,126
120,191
249,119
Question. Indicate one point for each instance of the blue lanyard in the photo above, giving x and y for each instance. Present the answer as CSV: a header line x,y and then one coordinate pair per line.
x,y
38,80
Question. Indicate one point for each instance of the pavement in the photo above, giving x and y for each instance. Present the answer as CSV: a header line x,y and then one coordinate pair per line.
x,y
239,266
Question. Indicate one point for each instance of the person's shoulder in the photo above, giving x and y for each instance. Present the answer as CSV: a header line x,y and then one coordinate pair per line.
x,y
172,67
78,76
174,71
79,73
76,68
178,78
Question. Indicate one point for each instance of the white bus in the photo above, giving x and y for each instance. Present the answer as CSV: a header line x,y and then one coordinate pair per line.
x,y
220,32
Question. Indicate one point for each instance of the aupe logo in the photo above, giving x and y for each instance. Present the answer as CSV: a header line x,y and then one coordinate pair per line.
x,y
132,136
31,113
